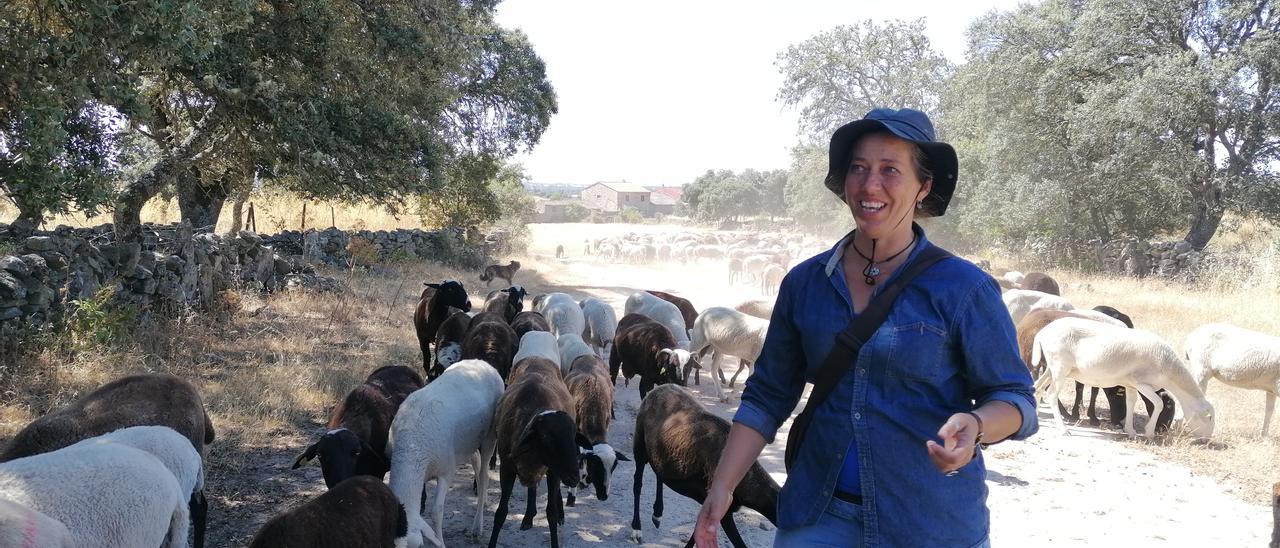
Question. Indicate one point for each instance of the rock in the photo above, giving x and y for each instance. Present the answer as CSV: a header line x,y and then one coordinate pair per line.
x,y
11,287
141,273
56,261
1182,247
39,267
9,313
39,243
14,266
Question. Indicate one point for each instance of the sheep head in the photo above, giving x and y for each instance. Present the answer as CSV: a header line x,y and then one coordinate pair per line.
x,y
342,455
450,293
598,463
550,437
671,361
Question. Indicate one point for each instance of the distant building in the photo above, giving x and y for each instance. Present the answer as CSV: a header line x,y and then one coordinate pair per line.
x,y
665,198
615,197
553,211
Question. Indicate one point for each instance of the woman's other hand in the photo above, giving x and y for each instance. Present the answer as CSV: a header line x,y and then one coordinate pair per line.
x,y
958,435
713,510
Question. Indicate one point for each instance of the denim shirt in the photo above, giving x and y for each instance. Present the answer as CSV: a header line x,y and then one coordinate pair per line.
x,y
947,346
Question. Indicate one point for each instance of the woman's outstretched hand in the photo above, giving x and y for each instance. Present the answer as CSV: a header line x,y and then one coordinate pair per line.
x,y
958,435
713,510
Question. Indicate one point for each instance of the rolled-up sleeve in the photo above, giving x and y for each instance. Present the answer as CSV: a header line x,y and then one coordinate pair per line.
x,y
772,391
989,346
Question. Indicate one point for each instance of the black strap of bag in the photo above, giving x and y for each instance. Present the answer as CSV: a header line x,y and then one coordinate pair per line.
x,y
850,341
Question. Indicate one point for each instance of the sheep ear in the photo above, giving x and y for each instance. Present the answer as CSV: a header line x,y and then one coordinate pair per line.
x,y
582,440
306,456
621,456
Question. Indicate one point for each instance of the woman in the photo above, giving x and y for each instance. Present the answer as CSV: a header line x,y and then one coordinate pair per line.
x,y
891,457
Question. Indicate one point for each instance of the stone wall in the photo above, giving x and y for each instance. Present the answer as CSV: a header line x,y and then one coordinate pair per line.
x,y
43,275
1137,258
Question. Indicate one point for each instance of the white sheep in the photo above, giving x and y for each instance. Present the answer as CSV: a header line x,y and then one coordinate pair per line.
x,y
437,428
23,527
602,325
564,315
108,494
727,331
537,343
1021,301
1013,277
771,279
571,346
663,312
760,308
1238,357
1098,354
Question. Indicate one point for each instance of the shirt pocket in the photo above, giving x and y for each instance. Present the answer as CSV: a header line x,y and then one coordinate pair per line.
x,y
915,352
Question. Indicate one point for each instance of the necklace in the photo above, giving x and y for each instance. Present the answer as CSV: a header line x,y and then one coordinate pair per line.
x,y
870,272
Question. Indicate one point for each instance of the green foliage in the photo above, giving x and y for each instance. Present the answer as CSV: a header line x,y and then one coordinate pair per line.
x,y
719,195
840,74
814,208
100,320
574,213
631,215
483,196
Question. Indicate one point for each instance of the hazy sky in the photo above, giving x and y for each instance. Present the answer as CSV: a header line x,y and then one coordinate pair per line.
x,y
657,92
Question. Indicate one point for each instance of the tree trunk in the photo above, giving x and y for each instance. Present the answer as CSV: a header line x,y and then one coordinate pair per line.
x,y
29,219
1206,214
237,209
128,213
201,204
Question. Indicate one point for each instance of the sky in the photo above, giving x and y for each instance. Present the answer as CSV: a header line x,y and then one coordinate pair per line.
x,y
658,92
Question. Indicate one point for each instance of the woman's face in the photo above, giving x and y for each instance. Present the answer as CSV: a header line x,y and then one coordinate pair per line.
x,y
882,186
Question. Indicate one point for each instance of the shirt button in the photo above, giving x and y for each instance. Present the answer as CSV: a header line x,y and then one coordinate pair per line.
x,y
862,371
857,416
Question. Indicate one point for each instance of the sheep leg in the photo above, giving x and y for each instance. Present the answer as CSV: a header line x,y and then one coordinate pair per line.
x,y
742,366
507,478
637,484
482,478
717,375
1055,388
179,524
657,500
442,488
1075,407
1157,405
530,508
199,516
553,513
1271,407
1130,407
731,530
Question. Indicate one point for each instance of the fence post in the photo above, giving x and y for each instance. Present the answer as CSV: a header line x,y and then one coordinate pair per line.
x,y
251,223
333,218
304,216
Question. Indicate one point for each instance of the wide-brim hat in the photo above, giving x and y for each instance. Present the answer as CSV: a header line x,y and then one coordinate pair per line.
x,y
911,125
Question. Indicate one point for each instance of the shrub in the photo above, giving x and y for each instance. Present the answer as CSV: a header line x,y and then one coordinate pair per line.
x,y
100,320
363,252
632,215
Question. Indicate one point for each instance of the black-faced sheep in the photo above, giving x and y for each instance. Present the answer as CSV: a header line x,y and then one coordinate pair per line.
x,y
449,339
124,489
507,302
536,436
433,310
529,320
356,443
646,347
138,400
490,339
360,512
1039,281
1099,354
588,382
682,441
437,428
1237,357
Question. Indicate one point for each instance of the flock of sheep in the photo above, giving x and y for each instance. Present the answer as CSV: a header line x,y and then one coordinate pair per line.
x,y
531,392
754,259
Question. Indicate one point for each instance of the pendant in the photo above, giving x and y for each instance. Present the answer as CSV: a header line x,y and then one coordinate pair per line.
x,y
873,272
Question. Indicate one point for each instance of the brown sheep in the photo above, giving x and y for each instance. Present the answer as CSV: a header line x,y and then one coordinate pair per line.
x,y
356,443
489,338
1039,281
588,382
360,512
687,311
140,400
433,310
645,347
682,441
529,320
536,436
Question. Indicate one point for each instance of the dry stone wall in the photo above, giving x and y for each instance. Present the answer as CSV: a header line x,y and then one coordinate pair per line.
x,y
1137,258
43,274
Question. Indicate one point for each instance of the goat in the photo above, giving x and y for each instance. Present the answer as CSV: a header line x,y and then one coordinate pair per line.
x,y
433,310
536,436
360,512
682,441
356,443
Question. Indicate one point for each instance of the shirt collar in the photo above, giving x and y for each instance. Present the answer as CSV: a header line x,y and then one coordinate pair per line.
x,y
837,252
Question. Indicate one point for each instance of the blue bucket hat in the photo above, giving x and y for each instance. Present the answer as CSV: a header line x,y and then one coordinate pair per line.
x,y
911,125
